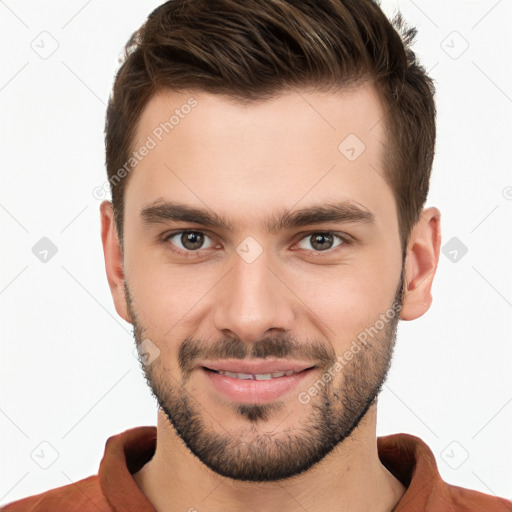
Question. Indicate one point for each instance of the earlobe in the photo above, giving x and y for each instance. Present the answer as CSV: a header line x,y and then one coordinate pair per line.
x,y
421,264
113,259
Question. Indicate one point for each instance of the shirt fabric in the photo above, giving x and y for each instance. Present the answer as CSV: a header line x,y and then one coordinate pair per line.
x,y
407,457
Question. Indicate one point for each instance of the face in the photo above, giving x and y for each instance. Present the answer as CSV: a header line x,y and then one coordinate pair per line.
x,y
262,273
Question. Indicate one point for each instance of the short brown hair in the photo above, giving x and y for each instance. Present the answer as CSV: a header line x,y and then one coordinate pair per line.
x,y
256,49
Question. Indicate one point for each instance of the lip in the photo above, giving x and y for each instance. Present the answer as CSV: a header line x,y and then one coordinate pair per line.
x,y
250,391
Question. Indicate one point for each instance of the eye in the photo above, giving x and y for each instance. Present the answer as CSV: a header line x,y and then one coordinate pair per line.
x,y
188,241
322,241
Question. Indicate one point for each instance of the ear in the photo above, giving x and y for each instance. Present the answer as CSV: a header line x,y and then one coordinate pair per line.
x,y
113,259
421,264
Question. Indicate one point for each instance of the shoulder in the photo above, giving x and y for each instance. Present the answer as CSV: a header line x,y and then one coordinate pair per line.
x,y
467,500
84,496
412,462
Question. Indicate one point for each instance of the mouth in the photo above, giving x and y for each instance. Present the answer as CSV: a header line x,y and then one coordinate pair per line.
x,y
254,376
254,382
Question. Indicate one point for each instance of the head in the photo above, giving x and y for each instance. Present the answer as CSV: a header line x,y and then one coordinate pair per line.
x,y
269,163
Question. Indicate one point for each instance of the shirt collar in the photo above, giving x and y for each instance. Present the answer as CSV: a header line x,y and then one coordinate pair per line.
x,y
407,457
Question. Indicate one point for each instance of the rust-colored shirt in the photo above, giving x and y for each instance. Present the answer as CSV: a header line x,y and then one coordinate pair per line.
x,y
114,489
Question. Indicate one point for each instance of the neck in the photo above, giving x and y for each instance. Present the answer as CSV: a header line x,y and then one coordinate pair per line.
x,y
349,478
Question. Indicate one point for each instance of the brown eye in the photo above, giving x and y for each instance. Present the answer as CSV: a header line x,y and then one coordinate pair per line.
x,y
192,240
189,241
321,241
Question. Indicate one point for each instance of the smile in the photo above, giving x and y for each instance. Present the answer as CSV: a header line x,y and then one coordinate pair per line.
x,y
255,382
257,376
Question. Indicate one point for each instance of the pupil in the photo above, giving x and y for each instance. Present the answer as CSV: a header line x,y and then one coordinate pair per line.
x,y
318,240
192,240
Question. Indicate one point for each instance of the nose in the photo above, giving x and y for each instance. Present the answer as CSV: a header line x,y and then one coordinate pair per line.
x,y
253,301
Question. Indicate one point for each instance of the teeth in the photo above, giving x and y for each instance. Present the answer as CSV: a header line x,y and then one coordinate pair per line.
x,y
257,376
243,376
266,376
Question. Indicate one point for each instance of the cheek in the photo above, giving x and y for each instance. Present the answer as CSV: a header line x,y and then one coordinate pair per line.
x,y
168,300
343,301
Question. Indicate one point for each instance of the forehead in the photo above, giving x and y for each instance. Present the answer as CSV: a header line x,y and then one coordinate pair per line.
x,y
356,110
298,147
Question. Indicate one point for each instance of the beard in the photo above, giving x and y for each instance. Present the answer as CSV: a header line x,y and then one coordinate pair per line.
x,y
256,452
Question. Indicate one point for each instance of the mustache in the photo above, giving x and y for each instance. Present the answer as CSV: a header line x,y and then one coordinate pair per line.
x,y
282,347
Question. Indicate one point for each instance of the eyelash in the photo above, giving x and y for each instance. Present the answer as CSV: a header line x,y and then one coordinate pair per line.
x,y
191,254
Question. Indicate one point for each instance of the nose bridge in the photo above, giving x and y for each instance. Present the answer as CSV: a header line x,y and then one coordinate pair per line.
x,y
253,298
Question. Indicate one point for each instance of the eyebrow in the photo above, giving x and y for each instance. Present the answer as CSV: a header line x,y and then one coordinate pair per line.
x,y
343,212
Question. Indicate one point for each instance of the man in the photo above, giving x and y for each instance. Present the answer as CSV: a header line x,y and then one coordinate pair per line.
x,y
269,162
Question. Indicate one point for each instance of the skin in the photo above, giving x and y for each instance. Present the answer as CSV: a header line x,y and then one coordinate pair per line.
x,y
246,163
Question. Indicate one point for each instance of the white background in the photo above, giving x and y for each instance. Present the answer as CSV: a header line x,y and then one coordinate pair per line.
x,y
68,373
